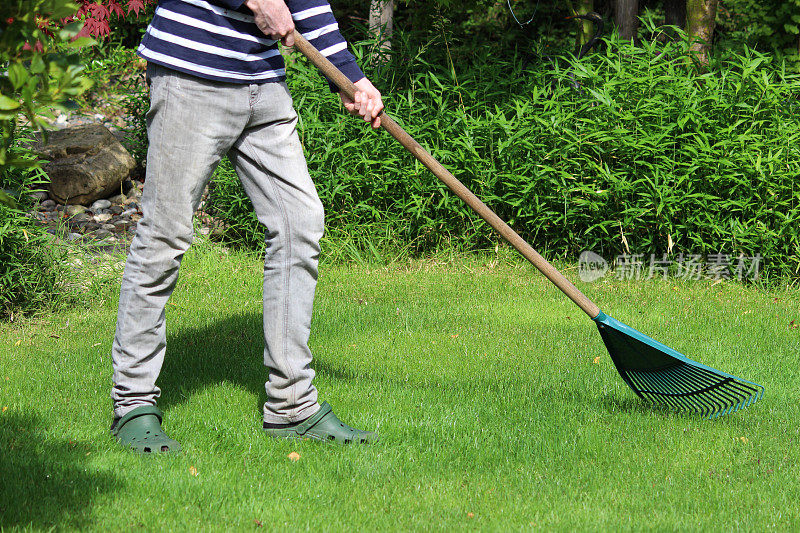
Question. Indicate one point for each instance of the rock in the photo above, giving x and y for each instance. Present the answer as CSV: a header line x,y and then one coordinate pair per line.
x,y
101,204
108,227
120,226
127,185
116,210
130,201
72,210
39,196
86,163
101,233
74,237
47,205
78,218
135,193
118,199
103,217
90,226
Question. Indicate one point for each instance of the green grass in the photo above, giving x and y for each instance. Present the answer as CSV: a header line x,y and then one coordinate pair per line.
x,y
480,378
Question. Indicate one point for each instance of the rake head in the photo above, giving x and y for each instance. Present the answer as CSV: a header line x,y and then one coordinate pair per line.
x,y
659,374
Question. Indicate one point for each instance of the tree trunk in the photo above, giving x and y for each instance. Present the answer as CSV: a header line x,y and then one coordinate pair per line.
x,y
675,13
701,18
587,27
381,22
626,13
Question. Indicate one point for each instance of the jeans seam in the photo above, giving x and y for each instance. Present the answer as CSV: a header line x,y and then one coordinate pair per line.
x,y
287,268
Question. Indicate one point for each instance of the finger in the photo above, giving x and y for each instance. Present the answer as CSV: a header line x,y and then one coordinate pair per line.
x,y
376,122
288,40
370,111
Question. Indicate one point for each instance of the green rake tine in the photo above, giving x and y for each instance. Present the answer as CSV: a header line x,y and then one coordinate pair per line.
x,y
682,392
713,398
734,392
699,404
711,389
651,382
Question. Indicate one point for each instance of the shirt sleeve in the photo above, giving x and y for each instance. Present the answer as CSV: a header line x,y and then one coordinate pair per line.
x,y
315,21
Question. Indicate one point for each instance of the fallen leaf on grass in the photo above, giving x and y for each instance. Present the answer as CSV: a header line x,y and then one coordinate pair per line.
x,y
95,344
18,342
743,439
193,471
596,360
470,515
5,408
55,336
792,325
294,457
454,336
258,523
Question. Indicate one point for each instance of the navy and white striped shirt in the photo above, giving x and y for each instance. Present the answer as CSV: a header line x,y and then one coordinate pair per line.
x,y
219,40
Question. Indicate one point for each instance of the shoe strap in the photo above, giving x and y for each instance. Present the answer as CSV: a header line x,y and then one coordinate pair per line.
x,y
136,413
314,419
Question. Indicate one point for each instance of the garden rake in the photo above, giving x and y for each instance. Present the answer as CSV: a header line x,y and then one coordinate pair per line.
x,y
655,372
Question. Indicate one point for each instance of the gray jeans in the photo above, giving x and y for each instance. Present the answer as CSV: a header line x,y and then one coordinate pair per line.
x,y
191,125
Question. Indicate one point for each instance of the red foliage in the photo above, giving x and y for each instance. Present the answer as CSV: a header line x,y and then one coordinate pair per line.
x,y
96,14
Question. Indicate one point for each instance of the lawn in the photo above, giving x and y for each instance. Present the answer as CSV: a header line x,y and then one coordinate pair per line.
x,y
484,382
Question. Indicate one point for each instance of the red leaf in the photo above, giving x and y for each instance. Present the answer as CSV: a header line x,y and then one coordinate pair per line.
x,y
99,11
116,9
135,6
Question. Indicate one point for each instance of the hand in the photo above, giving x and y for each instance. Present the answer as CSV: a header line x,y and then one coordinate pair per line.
x,y
367,103
273,19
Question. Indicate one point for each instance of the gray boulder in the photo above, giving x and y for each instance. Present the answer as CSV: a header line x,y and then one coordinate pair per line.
x,y
86,163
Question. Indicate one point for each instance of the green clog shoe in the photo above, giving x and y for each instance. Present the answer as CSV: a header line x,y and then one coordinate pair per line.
x,y
140,429
324,426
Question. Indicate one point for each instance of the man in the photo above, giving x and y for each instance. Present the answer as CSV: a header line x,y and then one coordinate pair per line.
x,y
217,87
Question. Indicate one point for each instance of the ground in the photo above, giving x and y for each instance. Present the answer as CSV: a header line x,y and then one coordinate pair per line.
x,y
497,405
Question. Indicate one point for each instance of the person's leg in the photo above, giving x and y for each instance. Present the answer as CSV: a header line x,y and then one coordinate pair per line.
x,y
269,160
190,125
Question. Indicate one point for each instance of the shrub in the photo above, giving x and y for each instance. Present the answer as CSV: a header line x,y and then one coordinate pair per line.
x,y
30,268
41,71
649,155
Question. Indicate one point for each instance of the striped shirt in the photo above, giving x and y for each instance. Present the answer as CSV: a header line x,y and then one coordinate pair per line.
x,y
219,40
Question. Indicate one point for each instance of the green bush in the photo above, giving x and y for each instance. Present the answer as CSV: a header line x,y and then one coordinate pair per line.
x,y
40,71
648,156
769,25
30,265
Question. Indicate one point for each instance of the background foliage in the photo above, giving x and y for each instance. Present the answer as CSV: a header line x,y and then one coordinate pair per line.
x,y
647,156
771,25
42,72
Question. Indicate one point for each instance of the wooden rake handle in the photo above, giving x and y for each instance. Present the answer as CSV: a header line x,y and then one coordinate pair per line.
x,y
458,188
